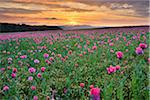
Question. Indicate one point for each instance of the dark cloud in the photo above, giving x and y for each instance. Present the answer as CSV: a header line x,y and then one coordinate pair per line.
x,y
30,11
8,17
18,11
141,7
78,10
53,18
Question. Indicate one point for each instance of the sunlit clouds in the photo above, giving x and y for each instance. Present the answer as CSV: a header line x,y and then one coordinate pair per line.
x,y
75,12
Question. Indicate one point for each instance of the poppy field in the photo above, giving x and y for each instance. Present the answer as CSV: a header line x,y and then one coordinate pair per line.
x,y
106,64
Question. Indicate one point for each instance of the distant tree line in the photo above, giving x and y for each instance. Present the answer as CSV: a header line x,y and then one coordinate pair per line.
x,y
7,27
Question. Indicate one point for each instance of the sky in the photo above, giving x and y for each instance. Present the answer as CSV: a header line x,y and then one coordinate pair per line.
x,y
75,12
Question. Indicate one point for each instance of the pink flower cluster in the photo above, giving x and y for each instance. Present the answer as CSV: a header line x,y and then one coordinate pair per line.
x,y
14,71
140,48
112,69
94,92
49,61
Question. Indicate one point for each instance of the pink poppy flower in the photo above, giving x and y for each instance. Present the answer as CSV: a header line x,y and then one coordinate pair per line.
x,y
79,46
124,38
134,37
143,45
35,98
76,65
51,42
94,47
33,87
23,56
10,59
13,75
121,72
8,67
80,55
44,47
63,59
46,55
127,50
95,93
111,44
30,78
47,97
139,50
111,69
5,88
59,55
149,60
66,57
91,86
70,52
119,54
112,51
87,42
54,48
65,90
84,52
39,75
43,69
14,70
32,70
81,85
85,46
117,67
46,61
51,59
36,61
2,69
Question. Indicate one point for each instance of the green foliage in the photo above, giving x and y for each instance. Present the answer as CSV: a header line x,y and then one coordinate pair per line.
x,y
130,82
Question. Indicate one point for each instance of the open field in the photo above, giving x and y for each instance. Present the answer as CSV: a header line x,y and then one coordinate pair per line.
x,y
106,64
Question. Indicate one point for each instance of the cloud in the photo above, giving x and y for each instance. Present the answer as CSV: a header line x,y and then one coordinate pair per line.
x,y
141,7
74,11
53,18
18,10
23,6
120,6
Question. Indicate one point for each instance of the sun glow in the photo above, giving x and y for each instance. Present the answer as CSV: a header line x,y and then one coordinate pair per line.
x,y
72,22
